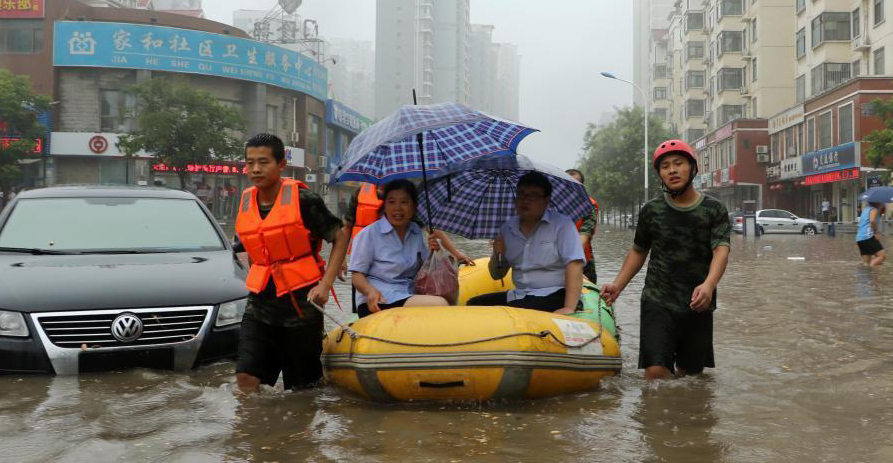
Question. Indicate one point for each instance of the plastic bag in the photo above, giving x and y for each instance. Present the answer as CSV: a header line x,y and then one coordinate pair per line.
x,y
438,277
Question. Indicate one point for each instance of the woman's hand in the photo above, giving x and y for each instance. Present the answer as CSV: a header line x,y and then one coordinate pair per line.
x,y
433,244
373,298
463,259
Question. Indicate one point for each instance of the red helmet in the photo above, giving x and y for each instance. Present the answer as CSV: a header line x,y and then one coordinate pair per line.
x,y
674,147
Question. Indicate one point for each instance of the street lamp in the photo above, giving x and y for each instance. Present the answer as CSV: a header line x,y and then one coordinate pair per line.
x,y
645,99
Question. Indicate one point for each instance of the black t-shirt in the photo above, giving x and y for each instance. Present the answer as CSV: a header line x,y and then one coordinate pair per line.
x,y
279,311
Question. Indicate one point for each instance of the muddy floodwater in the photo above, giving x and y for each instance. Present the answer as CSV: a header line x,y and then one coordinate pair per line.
x,y
803,338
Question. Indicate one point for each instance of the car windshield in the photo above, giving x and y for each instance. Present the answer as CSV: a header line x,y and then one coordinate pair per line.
x,y
94,225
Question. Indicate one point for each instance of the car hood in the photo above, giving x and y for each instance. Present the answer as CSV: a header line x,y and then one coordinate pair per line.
x,y
50,283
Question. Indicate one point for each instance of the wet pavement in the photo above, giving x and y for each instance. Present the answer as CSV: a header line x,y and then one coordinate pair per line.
x,y
803,339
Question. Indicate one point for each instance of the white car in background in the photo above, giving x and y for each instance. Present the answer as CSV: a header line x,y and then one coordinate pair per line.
x,y
779,221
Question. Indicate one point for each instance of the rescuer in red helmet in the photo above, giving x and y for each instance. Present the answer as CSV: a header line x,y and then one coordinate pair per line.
x,y
687,235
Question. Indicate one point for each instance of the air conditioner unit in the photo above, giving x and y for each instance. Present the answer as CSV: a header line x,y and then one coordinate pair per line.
x,y
861,43
762,149
295,137
762,158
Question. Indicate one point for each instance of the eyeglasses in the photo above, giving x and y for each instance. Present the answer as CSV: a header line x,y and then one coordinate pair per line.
x,y
528,198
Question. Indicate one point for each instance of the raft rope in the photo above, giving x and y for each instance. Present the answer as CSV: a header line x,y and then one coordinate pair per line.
x,y
354,336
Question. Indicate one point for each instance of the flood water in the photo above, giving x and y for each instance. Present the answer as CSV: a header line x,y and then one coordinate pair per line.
x,y
803,341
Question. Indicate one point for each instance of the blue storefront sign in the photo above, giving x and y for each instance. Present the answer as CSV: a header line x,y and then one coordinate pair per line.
x,y
158,48
831,159
346,118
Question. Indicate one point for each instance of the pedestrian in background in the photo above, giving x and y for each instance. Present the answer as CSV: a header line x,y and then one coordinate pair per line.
x,y
826,208
873,253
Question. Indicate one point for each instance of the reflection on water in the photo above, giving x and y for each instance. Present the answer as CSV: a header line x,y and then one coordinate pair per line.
x,y
802,348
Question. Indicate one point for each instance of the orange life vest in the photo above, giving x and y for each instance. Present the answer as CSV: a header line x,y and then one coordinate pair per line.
x,y
368,208
279,245
587,250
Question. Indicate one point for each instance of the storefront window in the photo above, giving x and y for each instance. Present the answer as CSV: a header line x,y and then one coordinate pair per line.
x,y
776,155
810,135
790,143
21,36
330,142
314,126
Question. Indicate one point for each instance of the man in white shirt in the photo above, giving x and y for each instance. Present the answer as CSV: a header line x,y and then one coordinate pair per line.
x,y
544,251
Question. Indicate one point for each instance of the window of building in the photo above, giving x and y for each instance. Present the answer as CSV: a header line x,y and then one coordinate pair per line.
x,y
857,68
800,89
730,112
695,79
694,21
21,36
330,142
810,135
693,134
731,79
879,61
660,71
660,93
271,118
856,24
694,50
694,108
314,127
775,151
753,30
753,68
826,136
731,42
731,8
830,26
114,111
845,124
790,143
753,108
878,12
801,5
801,43
829,75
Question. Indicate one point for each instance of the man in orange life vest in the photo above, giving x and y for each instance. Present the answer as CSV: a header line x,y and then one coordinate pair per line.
x,y
587,228
281,224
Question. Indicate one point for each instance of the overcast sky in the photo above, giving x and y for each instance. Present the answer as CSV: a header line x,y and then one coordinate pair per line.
x,y
563,44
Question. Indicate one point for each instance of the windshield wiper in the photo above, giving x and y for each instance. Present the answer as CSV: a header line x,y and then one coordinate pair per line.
x,y
37,251
120,251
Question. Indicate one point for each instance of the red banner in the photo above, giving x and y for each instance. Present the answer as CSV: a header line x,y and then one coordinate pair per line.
x,y
203,169
21,9
38,149
830,177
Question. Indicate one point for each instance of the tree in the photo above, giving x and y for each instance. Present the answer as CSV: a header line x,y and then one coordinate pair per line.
x,y
180,125
612,160
19,106
881,141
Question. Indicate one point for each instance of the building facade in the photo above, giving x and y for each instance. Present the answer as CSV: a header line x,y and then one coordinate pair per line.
x,y
343,124
648,16
87,64
421,45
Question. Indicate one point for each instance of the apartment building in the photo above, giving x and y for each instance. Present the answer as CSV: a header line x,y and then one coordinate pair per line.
x,y
687,42
648,16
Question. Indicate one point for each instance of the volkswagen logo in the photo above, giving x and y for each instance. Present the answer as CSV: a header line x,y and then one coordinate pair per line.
x,y
127,327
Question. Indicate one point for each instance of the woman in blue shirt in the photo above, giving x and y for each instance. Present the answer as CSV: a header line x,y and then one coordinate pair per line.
x,y
873,253
387,255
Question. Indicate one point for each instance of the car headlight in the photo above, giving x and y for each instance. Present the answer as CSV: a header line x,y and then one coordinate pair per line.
x,y
231,312
13,324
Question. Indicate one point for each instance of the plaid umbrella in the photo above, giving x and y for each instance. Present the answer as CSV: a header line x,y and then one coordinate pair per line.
x,y
450,133
473,199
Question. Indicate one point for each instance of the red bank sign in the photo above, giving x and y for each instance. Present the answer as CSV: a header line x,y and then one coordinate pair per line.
x,y
21,9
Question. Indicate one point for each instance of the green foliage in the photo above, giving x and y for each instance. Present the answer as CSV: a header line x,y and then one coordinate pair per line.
x,y
613,160
180,125
881,140
19,106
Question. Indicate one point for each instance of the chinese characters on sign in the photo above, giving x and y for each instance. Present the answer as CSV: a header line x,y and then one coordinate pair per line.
x,y
21,9
836,176
342,116
157,48
38,148
203,169
826,160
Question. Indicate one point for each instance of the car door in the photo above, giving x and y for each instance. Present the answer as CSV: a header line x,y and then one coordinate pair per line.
x,y
767,220
789,222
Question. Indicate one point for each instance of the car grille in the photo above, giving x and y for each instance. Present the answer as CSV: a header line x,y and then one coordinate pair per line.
x,y
94,329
